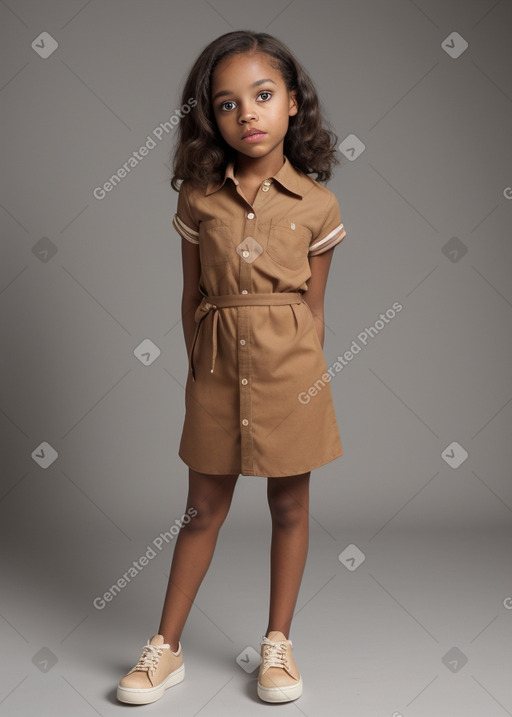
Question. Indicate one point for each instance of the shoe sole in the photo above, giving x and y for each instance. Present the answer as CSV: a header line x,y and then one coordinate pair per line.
x,y
280,694
145,695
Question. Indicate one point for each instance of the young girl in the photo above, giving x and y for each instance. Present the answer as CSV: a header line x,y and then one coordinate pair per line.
x,y
258,236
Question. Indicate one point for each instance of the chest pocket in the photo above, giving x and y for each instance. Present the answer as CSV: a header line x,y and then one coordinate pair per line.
x,y
286,246
215,244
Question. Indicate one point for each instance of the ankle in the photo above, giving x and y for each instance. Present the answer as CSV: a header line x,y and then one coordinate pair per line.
x,y
273,629
174,644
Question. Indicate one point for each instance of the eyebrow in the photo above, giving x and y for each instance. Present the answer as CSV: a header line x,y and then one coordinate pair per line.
x,y
223,93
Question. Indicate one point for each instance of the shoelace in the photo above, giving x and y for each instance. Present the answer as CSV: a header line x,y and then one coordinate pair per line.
x,y
149,658
275,653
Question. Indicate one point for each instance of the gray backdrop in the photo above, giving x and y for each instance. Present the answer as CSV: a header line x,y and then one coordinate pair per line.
x,y
406,607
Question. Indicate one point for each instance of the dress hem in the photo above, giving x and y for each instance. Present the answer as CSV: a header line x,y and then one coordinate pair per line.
x,y
265,475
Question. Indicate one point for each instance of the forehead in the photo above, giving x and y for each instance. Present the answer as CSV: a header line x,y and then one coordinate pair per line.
x,y
241,70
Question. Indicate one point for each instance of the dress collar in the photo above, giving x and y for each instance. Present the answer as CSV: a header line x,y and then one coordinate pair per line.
x,y
287,176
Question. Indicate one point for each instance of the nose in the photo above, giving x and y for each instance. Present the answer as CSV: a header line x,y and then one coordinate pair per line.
x,y
247,114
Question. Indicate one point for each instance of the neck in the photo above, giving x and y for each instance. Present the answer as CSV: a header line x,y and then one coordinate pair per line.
x,y
257,168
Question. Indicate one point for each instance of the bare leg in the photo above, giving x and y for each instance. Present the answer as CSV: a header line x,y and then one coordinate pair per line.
x,y
211,496
288,500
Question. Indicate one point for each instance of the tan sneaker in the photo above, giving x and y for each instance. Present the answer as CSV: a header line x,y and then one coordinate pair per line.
x,y
157,669
279,679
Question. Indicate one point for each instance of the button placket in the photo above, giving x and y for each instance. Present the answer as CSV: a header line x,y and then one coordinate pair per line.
x,y
244,371
246,262
244,356
248,250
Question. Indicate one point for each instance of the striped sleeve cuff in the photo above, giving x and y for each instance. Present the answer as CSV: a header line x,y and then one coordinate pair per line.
x,y
185,231
328,242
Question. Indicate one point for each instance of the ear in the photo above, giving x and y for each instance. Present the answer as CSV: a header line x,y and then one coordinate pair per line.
x,y
293,108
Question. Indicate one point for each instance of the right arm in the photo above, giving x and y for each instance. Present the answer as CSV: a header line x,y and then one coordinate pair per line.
x,y
191,297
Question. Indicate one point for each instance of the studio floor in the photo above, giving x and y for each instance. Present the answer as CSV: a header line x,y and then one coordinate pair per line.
x,y
406,625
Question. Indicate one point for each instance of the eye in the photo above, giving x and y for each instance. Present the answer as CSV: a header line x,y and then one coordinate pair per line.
x,y
222,106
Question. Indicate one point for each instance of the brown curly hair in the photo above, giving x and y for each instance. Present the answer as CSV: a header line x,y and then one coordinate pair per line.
x,y
202,154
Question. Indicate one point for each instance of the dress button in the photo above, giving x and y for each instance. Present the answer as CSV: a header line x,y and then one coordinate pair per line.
x,y
245,422
244,381
265,189
266,182
244,291
242,341
246,253
250,215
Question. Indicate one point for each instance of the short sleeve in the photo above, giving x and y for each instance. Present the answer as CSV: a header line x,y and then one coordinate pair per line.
x,y
183,220
331,230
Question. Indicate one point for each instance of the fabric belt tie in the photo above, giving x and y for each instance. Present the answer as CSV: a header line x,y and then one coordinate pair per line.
x,y
213,303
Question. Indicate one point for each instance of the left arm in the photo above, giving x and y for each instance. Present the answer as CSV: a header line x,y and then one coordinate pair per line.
x,y
315,294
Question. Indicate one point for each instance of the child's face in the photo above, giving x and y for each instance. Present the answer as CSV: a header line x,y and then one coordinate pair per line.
x,y
245,105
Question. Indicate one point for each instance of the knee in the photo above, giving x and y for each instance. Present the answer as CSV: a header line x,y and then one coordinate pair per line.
x,y
209,514
210,498
286,511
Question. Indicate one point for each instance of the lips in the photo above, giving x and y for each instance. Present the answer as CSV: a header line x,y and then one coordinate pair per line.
x,y
251,132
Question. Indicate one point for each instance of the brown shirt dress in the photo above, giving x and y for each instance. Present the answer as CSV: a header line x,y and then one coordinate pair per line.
x,y
258,397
